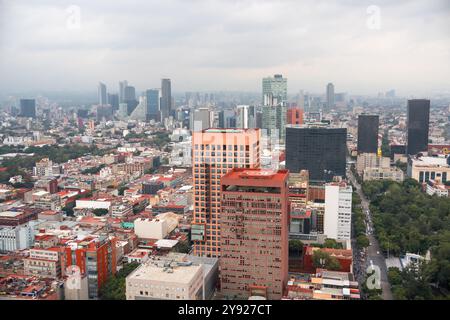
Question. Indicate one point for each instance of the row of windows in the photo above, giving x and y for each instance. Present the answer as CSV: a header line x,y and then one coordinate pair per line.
x,y
424,176
222,147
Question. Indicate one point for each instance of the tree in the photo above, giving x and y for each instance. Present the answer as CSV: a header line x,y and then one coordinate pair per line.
x,y
324,260
100,212
183,247
333,244
295,247
362,241
114,288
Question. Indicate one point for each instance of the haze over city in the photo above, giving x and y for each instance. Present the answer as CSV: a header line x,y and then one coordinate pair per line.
x,y
364,47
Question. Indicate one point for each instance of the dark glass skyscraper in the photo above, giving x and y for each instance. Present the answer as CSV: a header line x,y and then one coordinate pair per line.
x,y
318,149
368,133
28,108
418,124
166,98
152,112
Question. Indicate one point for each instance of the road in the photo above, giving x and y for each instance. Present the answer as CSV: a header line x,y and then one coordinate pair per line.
x,y
373,253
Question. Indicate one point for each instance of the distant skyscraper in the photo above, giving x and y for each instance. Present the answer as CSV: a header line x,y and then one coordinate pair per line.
x,y
122,86
166,98
102,97
227,119
330,95
200,119
28,108
418,118
153,100
254,231
242,116
368,133
301,100
113,100
275,86
215,152
130,98
129,93
274,116
319,149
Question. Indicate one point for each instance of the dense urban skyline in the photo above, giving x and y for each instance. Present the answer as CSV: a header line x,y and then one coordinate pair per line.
x,y
227,45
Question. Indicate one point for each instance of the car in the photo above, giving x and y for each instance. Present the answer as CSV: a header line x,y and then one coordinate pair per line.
x,y
378,252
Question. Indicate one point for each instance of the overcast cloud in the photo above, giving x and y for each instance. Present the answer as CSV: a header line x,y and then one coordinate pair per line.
x,y
226,44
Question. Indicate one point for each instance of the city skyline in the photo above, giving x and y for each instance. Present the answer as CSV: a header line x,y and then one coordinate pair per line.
x,y
220,45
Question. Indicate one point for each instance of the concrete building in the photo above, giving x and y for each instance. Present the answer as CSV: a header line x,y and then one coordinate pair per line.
x,y
216,152
295,116
14,238
426,168
324,285
151,228
166,279
200,119
435,188
43,262
95,256
254,233
76,289
371,160
338,211
394,174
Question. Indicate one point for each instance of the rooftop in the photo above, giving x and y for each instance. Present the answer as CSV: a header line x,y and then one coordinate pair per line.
x,y
152,271
430,161
10,214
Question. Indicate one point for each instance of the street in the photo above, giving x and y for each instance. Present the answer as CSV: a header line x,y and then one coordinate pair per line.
x,y
373,253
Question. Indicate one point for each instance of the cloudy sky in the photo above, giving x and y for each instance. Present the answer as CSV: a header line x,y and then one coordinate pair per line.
x,y
362,46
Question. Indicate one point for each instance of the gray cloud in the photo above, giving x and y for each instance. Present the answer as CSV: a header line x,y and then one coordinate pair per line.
x,y
226,45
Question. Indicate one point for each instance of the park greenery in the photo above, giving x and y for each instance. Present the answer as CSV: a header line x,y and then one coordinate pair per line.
x,y
359,227
115,288
329,243
59,154
100,212
408,220
93,170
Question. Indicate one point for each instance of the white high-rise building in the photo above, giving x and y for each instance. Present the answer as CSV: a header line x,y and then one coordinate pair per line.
x,y
102,100
338,211
242,116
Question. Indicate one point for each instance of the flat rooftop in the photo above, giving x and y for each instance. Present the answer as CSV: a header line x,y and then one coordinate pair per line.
x,y
150,271
430,161
10,214
240,174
